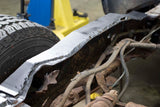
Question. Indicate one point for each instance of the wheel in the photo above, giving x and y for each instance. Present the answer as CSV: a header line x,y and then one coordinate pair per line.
x,y
20,40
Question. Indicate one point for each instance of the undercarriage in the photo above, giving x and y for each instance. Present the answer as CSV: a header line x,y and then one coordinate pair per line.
x,y
116,56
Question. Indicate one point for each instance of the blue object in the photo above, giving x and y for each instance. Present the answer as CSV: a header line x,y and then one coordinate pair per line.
x,y
40,11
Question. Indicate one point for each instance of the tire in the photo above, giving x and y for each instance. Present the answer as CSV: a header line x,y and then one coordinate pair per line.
x,y
125,6
20,40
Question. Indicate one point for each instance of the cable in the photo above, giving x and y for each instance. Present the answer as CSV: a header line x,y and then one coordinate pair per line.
x,y
91,77
125,68
86,73
115,83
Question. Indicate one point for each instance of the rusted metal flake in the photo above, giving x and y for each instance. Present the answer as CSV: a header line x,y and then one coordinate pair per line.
x,y
49,79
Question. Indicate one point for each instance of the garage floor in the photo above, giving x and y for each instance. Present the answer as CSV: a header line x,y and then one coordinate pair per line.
x,y
144,74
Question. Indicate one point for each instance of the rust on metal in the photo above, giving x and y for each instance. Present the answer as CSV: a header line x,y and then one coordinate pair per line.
x,y
110,80
73,98
107,100
49,79
100,77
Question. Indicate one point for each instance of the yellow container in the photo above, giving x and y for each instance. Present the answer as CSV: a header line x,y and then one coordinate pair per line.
x,y
93,96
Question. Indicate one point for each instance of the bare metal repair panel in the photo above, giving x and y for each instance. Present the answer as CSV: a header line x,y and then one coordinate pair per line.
x,y
18,83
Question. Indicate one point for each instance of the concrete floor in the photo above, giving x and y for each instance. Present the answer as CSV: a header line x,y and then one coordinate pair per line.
x,y
144,87
10,7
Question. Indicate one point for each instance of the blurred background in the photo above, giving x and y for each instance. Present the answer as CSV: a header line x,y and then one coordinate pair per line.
x,y
12,7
